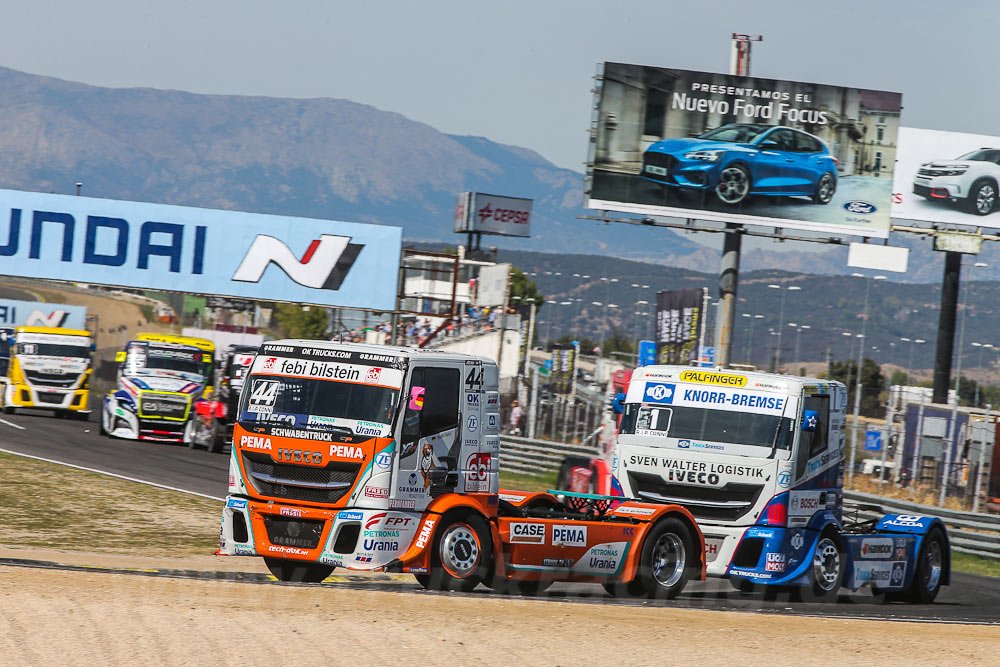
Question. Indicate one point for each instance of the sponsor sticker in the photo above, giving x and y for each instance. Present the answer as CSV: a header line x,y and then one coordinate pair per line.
x,y
708,377
402,504
472,424
658,392
877,547
290,511
527,533
347,515
569,535
376,492
640,511
383,460
236,503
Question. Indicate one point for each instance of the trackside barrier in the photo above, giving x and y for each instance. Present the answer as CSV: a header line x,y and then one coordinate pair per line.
x,y
524,455
969,532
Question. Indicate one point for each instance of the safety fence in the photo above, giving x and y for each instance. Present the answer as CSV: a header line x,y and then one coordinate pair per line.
x,y
525,455
970,532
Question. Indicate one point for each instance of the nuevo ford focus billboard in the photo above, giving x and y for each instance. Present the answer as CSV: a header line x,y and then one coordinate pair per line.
x,y
682,143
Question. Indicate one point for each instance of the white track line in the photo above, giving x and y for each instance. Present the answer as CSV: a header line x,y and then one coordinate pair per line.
x,y
4,421
110,474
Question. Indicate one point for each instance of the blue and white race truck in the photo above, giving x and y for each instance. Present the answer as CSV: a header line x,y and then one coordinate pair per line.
x,y
758,459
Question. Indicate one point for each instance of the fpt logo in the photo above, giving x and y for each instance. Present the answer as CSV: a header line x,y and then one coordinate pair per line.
x,y
324,265
659,392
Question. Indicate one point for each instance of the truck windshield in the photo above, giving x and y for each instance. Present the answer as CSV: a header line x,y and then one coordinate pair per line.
x,y
738,428
55,349
309,398
168,359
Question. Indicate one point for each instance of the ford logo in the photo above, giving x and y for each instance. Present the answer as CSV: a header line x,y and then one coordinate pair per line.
x,y
862,207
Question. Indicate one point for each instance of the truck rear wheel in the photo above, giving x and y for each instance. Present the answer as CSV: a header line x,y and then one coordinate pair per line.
x,y
930,570
827,571
665,562
295,570
461,556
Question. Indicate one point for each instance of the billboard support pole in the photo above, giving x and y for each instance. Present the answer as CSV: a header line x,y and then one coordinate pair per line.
x,y
946,325
729,272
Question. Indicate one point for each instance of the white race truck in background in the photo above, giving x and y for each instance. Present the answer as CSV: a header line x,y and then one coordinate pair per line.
x,y
49,368
757,458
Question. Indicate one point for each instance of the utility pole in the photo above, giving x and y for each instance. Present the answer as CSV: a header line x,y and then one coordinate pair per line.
x,y
729,273
982,457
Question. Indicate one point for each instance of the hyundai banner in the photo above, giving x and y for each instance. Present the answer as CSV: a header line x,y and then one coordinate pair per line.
x,y
679,325
737,149
493,214
15,313
947,177
197,250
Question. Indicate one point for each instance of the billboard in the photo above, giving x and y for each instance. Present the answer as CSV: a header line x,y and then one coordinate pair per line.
x,y
947,177
738,149
563,368
15,313
680,318
492,285
493,214
197,250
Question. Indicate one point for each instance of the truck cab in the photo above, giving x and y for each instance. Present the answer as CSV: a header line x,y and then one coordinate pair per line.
x,y
49,368
758,459
381,458
158,384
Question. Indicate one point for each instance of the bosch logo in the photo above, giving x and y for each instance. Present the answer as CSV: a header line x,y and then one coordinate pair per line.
x,y
659,392
860,207
324,265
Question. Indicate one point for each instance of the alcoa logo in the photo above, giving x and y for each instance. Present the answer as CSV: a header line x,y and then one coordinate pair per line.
x,y
659,392
324,265
861,207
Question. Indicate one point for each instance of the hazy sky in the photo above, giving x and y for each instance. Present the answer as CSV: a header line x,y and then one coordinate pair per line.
x,y
517,72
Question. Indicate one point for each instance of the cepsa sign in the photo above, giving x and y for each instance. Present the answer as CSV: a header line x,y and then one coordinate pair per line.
x,y
197,250
492,214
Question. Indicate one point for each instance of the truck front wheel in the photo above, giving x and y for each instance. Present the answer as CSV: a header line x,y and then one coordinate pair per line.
x,y
665,562
295,570
461,556
930,569
827,571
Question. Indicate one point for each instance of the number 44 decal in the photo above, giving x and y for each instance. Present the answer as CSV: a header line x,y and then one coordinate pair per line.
x,y
474,379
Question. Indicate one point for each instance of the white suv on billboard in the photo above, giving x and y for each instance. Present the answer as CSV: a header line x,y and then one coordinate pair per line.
x,y
971,181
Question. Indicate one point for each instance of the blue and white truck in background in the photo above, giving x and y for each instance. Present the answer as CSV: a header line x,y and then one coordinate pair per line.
x,y
758,459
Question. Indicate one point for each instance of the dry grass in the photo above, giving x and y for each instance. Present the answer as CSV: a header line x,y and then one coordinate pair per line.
x,y
923,494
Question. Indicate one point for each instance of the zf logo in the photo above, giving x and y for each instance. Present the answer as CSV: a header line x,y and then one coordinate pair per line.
x,y
324,265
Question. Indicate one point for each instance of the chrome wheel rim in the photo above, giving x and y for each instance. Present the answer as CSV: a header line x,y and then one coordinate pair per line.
x,y
733,185
826,188
933,565
669,559
460,550
985,196
826,564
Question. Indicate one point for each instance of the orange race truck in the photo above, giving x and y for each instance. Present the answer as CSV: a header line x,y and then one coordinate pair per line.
x,y
380,458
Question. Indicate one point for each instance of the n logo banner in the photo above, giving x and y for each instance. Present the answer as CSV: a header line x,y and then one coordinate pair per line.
x,y
323,266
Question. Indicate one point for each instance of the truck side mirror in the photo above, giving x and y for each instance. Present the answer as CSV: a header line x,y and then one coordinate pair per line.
x,y
120,356
809,420
618,404
416,399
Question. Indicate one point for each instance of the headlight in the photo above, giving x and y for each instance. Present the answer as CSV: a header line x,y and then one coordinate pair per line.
x,y
706,155
128,405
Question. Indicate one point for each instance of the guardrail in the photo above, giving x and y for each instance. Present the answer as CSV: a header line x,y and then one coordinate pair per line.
x,y
969,532
525,455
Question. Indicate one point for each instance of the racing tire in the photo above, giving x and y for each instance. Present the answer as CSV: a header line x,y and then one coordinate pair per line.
x,y
825,189
217,442
982,197
665,562
284,569
827,572
461,556
9,409
930,569
734,185
623,589
526,588
100,421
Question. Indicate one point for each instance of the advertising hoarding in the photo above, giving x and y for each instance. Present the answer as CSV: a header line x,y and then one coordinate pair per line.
x,y
738,149
947,177
14,313
679,325
491,289
197,250
563,368
493,214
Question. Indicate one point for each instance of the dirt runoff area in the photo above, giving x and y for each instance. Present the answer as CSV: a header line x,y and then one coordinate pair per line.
x,y
52,617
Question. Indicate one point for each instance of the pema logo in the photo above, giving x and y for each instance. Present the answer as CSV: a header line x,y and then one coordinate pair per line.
x,y
324,265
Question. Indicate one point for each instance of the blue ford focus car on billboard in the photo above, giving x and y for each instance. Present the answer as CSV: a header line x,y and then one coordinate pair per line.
x,y
739,160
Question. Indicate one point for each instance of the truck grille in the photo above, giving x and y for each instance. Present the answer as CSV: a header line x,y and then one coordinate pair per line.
x,y
726,503
50,397
162,406
302,533
300,482
40,379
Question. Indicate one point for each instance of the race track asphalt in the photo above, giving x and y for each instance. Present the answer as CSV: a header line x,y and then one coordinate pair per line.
x,y
969,599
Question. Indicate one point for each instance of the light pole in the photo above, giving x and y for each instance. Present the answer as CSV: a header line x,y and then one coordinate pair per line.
x,y
781,321
981,346
909,364
798,333
750,333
